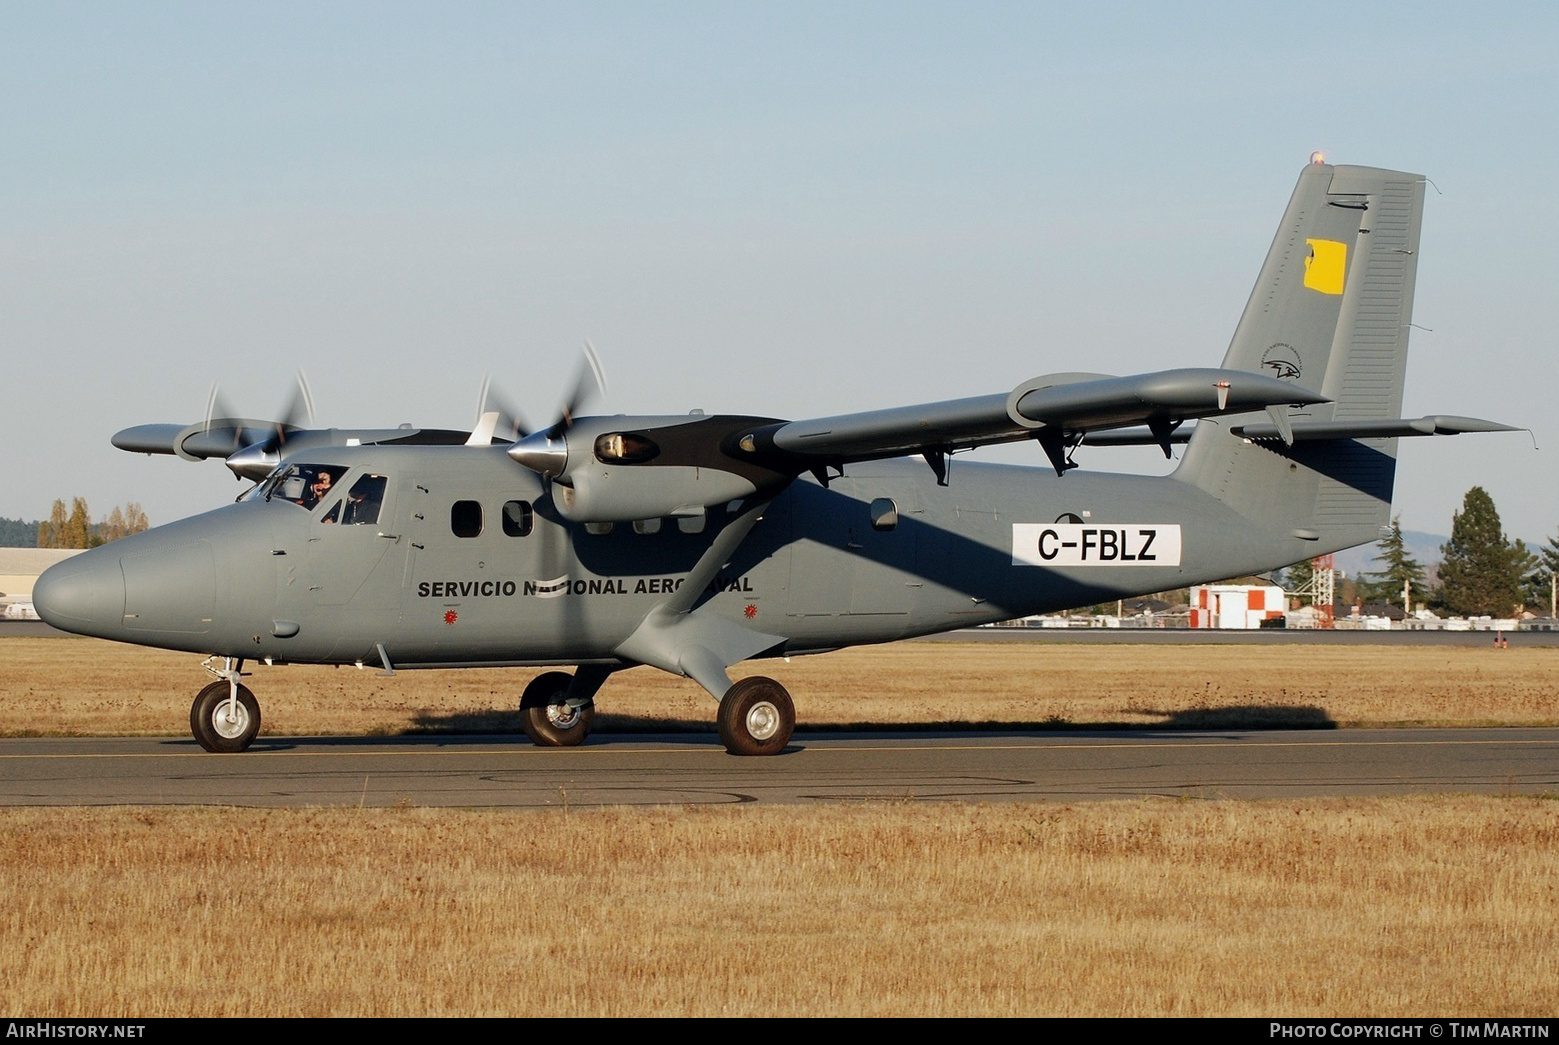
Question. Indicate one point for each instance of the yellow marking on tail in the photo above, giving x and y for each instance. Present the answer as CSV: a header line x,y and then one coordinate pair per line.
x,y
1325,266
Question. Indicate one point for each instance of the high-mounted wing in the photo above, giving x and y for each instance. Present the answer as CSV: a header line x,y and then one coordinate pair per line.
x,y
615,469
1057,411
252,448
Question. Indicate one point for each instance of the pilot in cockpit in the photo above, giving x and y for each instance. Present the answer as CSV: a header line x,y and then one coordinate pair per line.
x,y
318,490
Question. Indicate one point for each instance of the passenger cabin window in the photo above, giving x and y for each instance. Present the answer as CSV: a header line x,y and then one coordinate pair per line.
x,y
646,526
465,518
600,529
517,518
884,514
625,448
691,523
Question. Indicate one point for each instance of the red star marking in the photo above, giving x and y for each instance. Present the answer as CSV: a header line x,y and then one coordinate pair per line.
x,y
450,616
751,611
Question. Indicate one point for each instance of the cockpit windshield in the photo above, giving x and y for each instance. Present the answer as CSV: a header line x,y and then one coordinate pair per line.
x,y
304,485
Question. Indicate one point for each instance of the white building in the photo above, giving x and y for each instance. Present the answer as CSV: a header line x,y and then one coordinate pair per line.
x,y
1240,606
19,568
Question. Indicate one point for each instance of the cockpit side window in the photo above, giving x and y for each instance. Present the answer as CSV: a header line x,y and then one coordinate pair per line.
x,y
363,500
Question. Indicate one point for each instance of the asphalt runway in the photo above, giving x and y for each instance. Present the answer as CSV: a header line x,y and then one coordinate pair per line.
x,y
34,629
1215,637
692,769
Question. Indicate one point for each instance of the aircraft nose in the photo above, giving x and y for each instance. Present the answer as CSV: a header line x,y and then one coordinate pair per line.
x,y
82,594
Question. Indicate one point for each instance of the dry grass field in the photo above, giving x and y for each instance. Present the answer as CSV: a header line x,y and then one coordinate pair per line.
x,y
1317,908
74,686
1333,908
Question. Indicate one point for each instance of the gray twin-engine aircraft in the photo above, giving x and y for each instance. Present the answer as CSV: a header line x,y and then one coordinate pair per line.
x,y
692,543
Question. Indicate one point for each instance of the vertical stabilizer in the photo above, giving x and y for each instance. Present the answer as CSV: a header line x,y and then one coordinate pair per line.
x,y
1330,312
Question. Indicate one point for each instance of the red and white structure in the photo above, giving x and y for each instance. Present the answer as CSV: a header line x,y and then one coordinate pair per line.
x,y
1238,606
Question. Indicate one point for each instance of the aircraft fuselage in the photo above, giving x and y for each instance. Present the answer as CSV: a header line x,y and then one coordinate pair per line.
x,y
467,563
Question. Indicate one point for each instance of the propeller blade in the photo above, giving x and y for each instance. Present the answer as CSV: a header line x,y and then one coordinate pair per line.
x,y
299,411
590,382
511,425
217,408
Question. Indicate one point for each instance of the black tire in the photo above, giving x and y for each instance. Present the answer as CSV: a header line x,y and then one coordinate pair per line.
x,y
756,717
547,719
210,726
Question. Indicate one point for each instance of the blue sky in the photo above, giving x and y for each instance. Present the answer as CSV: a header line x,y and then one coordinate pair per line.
x,y
792,210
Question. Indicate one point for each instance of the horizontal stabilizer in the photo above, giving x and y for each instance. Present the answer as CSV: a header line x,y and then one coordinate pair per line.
x,y
1436,424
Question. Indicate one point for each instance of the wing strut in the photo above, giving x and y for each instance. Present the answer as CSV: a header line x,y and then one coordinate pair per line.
x,y
937,459
1058,448
1163,428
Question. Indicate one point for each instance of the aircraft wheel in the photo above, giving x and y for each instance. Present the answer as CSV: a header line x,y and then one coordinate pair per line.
x,y
547,718
756,717
213,729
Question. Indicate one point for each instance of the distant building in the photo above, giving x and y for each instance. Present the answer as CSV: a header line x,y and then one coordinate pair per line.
x,y
19,568
1237,606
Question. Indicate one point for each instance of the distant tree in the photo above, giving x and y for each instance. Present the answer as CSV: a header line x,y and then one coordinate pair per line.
x,y
113,527
1480,573
18,533
1547,569
121,522
51,532
1297,575
1346,592
1534,582
77,530
1400,568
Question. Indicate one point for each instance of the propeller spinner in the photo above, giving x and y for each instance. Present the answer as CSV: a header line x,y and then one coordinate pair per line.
x,y
545,452
258,459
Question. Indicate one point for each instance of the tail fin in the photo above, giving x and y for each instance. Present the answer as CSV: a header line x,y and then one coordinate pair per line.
x,y
1330,312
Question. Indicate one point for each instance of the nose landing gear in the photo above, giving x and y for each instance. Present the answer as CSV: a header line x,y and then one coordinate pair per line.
x,y
225,717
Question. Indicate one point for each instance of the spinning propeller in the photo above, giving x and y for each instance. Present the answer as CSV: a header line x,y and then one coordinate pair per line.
x,y
546,451
255,458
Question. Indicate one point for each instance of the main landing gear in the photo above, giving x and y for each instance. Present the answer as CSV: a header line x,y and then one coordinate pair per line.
x,y
558,709
756,717
225,717
547,716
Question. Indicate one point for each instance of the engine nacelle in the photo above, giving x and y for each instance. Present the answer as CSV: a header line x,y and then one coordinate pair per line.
x,y
607,493
621,469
